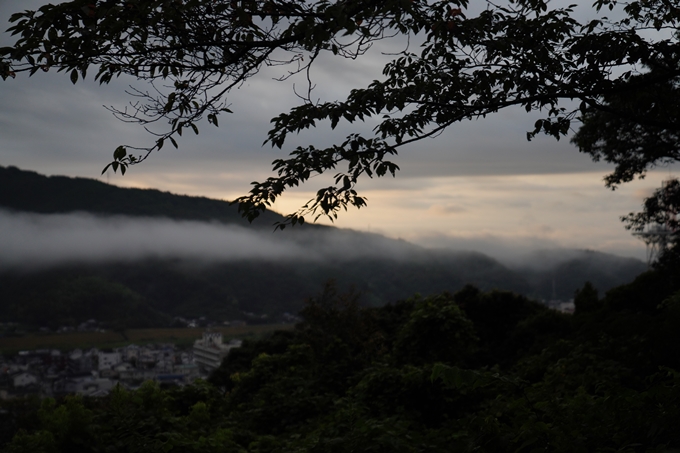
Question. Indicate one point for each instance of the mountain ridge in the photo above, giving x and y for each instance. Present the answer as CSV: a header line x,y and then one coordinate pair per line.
x,y
59,194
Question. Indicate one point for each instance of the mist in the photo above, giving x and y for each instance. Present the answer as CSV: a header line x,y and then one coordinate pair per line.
x,y
31,240
533,252
35,241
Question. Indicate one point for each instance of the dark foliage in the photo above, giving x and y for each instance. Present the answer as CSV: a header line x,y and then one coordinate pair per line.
x,y
354,378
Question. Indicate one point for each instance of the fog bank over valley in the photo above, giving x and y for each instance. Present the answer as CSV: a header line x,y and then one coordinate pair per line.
x,y
32,240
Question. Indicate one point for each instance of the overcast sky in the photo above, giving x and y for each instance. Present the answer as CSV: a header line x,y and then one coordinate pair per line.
x,y
479,186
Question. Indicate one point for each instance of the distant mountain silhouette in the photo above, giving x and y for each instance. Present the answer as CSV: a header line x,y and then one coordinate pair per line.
x,y
32,192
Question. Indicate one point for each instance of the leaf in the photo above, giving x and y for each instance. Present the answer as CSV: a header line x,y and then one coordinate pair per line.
x,y
119,153
74,76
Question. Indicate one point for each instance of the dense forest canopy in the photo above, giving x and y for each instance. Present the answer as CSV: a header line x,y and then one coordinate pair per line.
x,y
462,63
470,371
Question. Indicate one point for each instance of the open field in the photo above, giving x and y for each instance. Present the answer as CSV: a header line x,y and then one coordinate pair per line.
x,y
110,339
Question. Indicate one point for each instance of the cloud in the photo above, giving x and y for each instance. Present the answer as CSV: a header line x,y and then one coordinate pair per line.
x,y
534,251
32,240
511,250
40,239
49,125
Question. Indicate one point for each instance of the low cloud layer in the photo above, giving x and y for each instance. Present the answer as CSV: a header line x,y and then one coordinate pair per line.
x,y
38,240
510,251
532,252
35,241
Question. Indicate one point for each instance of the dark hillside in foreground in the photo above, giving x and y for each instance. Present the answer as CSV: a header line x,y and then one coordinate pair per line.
x,y
467,372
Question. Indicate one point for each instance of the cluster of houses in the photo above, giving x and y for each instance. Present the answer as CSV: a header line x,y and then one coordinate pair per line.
x,y
95,372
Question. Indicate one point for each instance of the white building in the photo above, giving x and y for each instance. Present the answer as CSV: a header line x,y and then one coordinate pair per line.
x,y
130,352
24,379
210,350
108,360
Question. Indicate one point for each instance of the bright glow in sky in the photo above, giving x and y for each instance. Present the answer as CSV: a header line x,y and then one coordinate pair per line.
x,y
480,186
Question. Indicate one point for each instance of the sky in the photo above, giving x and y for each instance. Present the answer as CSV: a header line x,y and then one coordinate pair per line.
x,y
480,186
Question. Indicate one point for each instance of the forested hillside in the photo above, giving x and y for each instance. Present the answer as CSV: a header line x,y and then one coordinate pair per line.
x,y
32,192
